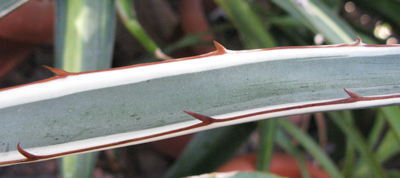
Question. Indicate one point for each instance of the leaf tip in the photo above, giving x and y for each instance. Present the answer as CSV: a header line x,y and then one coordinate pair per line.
x,y
205,119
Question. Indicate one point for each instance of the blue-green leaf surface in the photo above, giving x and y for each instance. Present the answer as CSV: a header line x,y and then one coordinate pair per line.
x,y
74,113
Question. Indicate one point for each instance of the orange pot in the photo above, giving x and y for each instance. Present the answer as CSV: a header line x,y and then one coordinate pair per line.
x,y
281,164
172,146
22,30
33,22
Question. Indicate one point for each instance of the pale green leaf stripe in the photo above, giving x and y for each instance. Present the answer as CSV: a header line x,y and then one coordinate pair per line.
x,y
352,133
85,35
93,50
78,166
311,147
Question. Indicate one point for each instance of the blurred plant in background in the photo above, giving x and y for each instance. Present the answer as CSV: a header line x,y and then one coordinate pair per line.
x,y
361,143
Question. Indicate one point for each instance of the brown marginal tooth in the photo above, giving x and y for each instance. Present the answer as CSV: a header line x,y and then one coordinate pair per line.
x,y
25,153
203,118
58,72
220,49
351,94
358,41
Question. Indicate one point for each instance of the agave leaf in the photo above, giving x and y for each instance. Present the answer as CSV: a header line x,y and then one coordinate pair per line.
x,y
80,112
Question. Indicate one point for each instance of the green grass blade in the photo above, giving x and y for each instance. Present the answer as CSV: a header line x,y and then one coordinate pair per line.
x,y
248,23
353,134
315,15
312,148
348,164
128,15
350,154
392,116
377,129
267,129
288,146
388,147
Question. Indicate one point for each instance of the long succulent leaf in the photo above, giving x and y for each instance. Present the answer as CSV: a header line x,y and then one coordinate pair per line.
x,y
80,112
